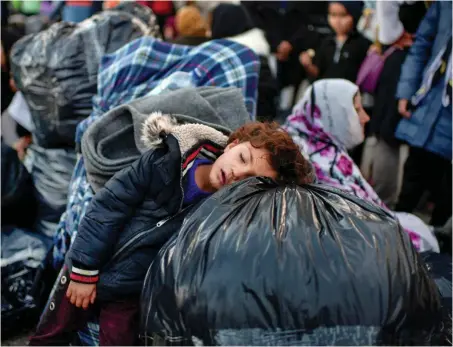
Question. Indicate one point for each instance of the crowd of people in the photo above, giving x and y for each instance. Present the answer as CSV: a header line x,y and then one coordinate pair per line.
x,y
120,118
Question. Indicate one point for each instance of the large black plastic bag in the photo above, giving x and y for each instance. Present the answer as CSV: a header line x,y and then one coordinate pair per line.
x,y
440,269
51,170
18,204
257,264
25,282
56,69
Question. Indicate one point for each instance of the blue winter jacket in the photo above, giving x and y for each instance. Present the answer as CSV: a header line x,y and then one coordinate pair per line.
x,y
139,209
430,125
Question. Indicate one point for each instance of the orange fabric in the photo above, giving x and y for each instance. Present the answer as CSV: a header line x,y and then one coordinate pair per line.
x,y
84,3
111,4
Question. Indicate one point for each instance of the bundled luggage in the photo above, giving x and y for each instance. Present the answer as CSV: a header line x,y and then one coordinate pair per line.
x,y
57,69
18,202
259,264
26,278
51,170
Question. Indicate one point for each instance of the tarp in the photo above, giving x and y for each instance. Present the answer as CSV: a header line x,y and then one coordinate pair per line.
x,y
57,69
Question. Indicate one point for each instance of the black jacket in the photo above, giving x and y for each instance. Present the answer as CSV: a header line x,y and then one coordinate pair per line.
x,y
385,111
190,40
352,55
297,22
139,209
294,24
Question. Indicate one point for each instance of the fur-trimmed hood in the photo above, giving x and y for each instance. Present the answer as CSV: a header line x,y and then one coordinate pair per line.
x,y
158,125
192,115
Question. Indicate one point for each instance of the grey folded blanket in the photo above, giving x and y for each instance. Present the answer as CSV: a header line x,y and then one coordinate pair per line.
x,y
113,142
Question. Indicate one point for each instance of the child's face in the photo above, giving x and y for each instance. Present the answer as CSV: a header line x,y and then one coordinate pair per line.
x,y
339,19
239,161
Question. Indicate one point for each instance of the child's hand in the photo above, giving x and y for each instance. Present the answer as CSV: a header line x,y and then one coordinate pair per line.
x,y
283,50
21,146
405,40
403,108
305,59
375,48
81,294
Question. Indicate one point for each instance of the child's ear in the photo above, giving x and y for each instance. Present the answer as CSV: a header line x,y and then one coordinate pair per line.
x,y
231,145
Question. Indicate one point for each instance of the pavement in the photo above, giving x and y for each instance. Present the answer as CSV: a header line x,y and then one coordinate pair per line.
x,y
21,339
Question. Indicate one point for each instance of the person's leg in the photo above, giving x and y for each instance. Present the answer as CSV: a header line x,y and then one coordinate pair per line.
x,y
368,157
385,172
442,190
416,179
118,323
60,320
161,22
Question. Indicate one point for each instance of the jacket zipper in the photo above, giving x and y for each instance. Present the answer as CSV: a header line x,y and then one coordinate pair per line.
x,y
182,189
159,224
140,234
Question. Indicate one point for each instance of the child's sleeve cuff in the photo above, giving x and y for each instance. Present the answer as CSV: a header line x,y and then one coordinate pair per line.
x,y
83,275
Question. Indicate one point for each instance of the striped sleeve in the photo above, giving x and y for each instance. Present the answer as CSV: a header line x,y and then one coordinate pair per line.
x,y
81,275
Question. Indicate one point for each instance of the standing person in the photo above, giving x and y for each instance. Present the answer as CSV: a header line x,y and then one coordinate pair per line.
x,y
290,29
397,24
144,204
367,24
9,36
339,55
424,101
234,23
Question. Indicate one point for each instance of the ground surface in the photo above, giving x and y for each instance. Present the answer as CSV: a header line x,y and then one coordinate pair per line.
x,y
21,339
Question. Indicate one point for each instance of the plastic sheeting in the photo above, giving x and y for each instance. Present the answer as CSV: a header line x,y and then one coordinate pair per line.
x,y
18,205
258,264
57,69
440,270
51,171
22,256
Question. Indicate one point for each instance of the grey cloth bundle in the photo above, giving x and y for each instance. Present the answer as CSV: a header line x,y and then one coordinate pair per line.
x,y
113,142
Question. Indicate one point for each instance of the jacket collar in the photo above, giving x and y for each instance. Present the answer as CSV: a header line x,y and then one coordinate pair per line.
x,y
157,126
185,143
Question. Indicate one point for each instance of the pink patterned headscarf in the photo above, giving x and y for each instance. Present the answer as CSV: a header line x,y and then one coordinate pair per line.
x,y
324,125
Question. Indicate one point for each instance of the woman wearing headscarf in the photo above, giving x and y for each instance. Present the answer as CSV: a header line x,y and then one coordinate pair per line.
x,y
234,23
326,123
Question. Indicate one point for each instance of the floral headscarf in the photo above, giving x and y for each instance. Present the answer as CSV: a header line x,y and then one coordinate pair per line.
x,y
333,117
324,124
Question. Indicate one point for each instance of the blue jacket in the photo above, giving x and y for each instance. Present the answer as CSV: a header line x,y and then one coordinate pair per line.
x,y
430,124
138,210
75,13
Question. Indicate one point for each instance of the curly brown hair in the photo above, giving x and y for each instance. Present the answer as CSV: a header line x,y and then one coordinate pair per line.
x,y
285,156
